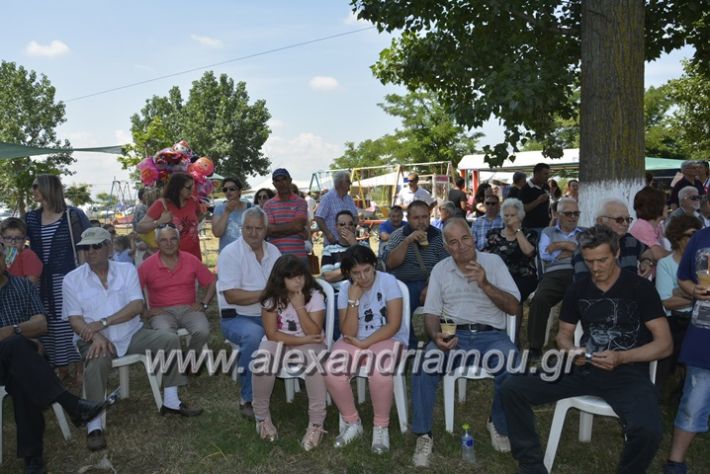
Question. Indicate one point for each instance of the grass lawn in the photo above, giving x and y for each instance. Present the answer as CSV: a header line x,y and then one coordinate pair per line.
x,y
221,441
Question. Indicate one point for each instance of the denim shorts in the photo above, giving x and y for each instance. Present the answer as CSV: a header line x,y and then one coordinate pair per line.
x,y
694,407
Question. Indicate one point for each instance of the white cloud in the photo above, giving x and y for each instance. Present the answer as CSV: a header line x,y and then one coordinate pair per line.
x,y
301,155
122,137
207,41
275,123
51,50
323,83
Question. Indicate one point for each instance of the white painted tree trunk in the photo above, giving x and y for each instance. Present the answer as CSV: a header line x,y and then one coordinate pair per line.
x,y
593,194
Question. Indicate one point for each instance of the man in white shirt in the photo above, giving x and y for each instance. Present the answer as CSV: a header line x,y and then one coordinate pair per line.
x,y
243,268
474,291
102,301
412,192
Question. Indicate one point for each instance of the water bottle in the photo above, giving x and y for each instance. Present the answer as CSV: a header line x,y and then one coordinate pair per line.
x,y
467,451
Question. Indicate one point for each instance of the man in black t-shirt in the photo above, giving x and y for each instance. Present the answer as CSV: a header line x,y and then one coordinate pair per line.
x,y
458,197
624,328
518,182
535,196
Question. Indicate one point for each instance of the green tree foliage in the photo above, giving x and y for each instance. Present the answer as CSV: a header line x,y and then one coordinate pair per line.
x,y
78,194
691,93
429,133
516,60
29,115
217,120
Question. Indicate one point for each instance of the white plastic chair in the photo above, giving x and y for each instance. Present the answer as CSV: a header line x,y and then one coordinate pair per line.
x,y
587,405
58,411
400,383
471,372
292,375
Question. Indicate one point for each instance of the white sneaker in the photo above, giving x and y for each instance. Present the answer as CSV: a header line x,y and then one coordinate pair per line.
x,y
380,439
422,452
499,442
349,432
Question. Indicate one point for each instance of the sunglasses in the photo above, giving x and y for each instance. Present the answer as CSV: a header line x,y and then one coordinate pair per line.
x,y
620,220
98,246
231,188
570,213
14,239
347,224
491,203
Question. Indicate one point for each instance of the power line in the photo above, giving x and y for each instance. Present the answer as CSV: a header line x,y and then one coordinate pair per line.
x,y
241,58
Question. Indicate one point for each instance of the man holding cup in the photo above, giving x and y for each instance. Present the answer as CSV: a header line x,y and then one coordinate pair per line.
x,y
474,291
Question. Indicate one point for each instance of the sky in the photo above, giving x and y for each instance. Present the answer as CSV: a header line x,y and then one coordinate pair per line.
x,y
320,95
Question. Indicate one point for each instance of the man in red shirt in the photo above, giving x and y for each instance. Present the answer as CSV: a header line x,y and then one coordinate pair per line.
x,y
288,217
168,281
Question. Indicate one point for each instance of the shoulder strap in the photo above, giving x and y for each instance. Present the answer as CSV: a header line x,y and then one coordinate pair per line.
x,y
71,237
420,261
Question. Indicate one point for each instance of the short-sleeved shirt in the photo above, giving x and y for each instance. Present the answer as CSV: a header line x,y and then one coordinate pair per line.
x,y
615,319
19,301
630,250
185,220
233,230
285,211
387,226
513,192
26,263
372,312
174,287
695,345
237,267
84,295
539,216
457,197
329,207
451,294
519,264
410,269
287,320
406,196
667,279
683,183
646,233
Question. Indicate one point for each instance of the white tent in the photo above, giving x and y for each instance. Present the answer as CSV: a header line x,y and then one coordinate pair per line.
x,y
524,161
389,179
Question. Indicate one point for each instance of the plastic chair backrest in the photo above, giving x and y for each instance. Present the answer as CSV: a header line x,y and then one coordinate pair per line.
x,y
329,310
406,310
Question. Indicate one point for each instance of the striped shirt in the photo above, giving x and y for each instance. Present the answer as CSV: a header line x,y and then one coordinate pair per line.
x,y
19,301
285,211
480,229
410,269
47,234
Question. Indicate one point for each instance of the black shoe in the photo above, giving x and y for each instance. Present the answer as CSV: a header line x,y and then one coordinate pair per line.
x,y
246,410
95,440
34,465
87,410
184,410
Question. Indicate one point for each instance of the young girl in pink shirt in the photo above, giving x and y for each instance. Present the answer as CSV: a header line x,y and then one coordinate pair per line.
x,y
293,312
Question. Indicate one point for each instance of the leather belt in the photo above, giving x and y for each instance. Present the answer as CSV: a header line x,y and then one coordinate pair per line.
x,y
475,327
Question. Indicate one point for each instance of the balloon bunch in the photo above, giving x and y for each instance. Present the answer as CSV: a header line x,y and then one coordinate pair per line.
x,y
156,169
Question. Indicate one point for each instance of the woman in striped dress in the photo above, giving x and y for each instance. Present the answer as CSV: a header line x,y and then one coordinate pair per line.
x,y
51,236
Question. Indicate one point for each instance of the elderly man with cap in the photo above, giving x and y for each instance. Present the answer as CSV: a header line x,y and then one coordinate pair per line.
x,y
412,192
168,278
334,201
288,217
103,303
690,170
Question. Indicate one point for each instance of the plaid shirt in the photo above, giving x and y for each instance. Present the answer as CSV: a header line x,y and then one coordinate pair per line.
x,y
19,301
482,225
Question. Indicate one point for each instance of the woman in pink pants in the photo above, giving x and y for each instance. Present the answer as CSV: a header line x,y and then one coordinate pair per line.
x,y
293,312
370,308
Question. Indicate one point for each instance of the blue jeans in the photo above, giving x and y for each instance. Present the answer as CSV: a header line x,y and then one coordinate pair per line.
x,y
247,332
424,383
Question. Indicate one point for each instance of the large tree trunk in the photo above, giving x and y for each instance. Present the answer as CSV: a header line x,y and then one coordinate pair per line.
x,y
611,119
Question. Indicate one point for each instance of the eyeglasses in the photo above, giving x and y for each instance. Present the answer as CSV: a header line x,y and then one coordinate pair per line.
x,y
14,240
491,203
98,246
570,213
231,188
620,220
169,224
694,197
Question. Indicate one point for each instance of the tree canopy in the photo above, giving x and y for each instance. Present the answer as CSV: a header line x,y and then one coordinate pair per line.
x,y
217,120
78,194
519,61
29,115
428,133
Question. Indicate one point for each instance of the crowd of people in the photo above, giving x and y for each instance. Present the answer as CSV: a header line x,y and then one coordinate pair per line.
x,y
639,288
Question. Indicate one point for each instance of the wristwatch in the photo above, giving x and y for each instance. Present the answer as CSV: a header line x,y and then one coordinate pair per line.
x,y
17,329
353,303
104,322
